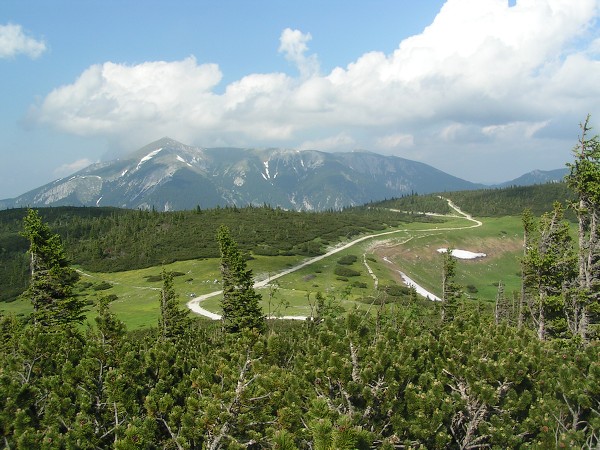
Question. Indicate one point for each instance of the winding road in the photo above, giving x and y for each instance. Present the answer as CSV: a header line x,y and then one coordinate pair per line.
x,y
194,304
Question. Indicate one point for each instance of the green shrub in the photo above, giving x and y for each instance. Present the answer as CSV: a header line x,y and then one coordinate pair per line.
x,y
471,289
396,290
110,297
102,286
347,260
346,272
153,278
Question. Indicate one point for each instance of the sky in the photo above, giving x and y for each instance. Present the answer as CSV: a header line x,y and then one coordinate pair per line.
x,y
485,90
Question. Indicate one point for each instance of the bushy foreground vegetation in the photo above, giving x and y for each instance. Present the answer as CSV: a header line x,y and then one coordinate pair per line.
x,y
405,380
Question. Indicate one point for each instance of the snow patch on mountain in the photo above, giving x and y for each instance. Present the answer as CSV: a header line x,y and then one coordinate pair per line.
x,y
148,157
180,159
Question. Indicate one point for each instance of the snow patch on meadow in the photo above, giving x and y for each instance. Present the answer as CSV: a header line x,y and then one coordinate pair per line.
x,y
463,254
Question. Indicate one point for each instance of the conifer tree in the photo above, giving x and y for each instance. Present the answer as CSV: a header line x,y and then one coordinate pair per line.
x,y
548,271
451,291
110,328
173,320
241,310
584,179
52,279
529,229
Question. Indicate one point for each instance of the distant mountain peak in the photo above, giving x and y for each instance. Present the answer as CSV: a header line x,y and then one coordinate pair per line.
x,y
538,177
165,142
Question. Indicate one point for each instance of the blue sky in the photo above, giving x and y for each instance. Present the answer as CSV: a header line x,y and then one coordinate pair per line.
x,y
483,89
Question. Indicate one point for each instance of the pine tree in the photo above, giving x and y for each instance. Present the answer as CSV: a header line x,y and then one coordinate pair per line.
x,y
584,179
52,279
451,291
548,271
241,310
529,229
173,320
110,328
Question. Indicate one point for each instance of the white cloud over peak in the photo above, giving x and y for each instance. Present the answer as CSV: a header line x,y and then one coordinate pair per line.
x,y
14,41
482,72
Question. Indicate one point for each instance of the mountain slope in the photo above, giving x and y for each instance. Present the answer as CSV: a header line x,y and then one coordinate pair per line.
x,y
168,175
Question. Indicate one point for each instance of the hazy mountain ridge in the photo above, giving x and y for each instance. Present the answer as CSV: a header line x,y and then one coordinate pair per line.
x,y
537,177
168,175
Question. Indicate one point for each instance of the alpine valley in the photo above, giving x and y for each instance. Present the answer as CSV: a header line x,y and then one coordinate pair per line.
x,y
167,175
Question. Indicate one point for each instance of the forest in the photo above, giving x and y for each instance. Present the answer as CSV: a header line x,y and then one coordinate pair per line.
x,y
401,375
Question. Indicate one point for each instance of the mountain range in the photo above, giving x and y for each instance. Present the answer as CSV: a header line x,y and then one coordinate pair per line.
x,y
167,175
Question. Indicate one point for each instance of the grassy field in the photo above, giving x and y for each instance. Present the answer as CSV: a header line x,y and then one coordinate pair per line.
x,y
499,238
412,249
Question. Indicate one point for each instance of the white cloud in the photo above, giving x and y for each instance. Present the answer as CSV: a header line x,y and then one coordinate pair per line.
x,y
69,168
514,130
14,41
293,44
116,99
482,73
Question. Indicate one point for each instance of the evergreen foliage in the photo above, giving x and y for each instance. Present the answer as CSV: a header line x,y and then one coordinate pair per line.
x,y
548,271
173,320
512,201
400,380
401,377
451,290
52,278
584,179
345,271
240,307
416,204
